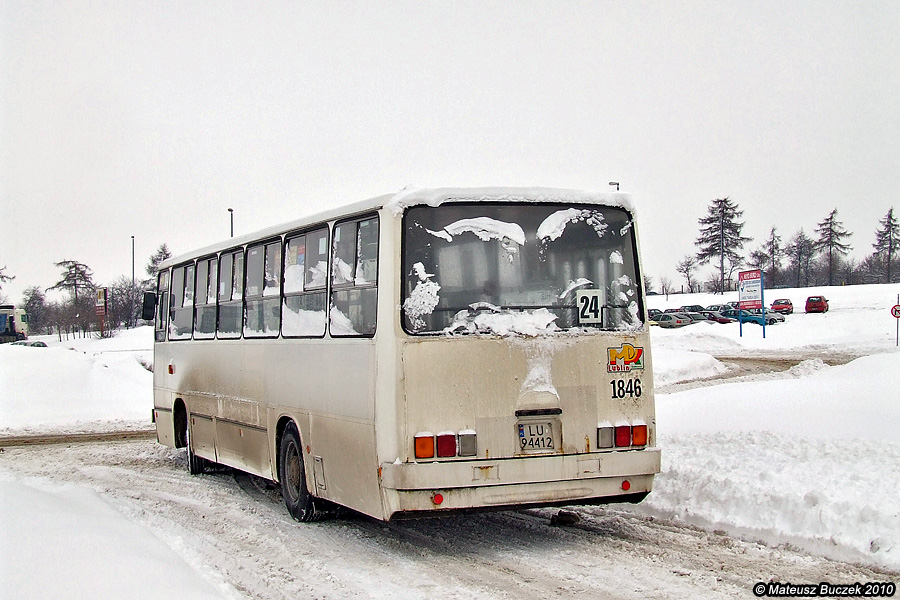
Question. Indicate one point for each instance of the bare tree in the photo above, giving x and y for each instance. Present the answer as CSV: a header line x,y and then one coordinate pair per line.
x,y
665,285
35,304
124,302
686,268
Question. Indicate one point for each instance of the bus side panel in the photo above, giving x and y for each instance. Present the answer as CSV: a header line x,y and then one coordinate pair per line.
x,y
243,447
203,437
342,465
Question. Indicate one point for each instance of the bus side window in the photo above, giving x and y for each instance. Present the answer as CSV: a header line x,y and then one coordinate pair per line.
x,y
205,300
263,305
305,275
181,303
162,307
231,277
354,279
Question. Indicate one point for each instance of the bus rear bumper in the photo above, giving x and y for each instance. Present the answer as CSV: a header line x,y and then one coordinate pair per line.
x,y
421,488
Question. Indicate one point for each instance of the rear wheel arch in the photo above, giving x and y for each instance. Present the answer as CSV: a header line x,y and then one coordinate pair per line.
x,y
179,423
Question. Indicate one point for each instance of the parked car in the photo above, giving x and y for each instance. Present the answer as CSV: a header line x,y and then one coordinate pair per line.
x,y
671,320
816,304
715,316
37,344
783,306
717,307
691,308
772,317
696,317
749,317
653,312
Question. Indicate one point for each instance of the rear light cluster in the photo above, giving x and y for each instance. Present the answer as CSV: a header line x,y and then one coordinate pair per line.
x,y
446,444
624,435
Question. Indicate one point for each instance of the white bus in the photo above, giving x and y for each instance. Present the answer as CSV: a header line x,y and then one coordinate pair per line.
x,y
417,353
13,324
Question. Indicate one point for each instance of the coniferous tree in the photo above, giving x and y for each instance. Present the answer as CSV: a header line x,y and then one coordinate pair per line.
x,y
801,250
887,240
4,277
76,276
162,253
831,241
720,236
774,251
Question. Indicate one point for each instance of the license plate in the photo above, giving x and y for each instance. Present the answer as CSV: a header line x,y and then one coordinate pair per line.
x,y
536,436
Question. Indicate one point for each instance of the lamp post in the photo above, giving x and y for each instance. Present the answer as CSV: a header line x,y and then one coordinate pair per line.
x,y
615,183
231,214
132,261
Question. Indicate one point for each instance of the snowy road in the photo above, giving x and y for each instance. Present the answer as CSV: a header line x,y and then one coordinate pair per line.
x,y
240,538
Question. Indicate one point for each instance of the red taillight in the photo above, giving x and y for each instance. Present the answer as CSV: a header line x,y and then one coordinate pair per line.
x,y
639,435
623,435
424,445
626,485
446,444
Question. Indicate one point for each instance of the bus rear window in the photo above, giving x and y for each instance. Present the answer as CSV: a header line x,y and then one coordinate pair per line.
x,y
508,268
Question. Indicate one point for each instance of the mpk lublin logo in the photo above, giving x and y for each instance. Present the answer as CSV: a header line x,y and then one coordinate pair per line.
x,y
625,358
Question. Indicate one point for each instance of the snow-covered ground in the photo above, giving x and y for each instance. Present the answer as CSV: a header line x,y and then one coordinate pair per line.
x,y
808,458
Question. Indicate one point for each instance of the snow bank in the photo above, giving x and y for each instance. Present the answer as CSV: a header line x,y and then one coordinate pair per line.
x,y
66,541
82,384
812,460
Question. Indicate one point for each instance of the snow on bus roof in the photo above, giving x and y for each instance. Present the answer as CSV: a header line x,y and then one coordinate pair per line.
x,y
408,197
412,196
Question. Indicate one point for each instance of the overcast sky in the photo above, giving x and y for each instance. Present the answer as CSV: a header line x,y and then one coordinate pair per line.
x,y
151,119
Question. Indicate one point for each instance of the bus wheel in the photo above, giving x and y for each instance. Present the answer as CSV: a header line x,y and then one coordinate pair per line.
x,y
196,465
300,503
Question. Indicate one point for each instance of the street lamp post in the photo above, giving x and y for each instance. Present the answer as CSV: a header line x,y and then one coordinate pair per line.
x,y
132,261
231,214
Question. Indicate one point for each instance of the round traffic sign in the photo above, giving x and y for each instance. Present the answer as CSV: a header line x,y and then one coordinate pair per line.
x,y
896,310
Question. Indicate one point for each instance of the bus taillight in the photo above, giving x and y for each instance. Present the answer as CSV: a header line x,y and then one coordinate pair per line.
x,y
446,444
425,445
623,435
605,436
639,435
468,444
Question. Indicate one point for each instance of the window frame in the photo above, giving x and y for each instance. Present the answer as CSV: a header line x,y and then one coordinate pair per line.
x,y
352,285
635,256
214,304
306,289
262,298
178,293
231,301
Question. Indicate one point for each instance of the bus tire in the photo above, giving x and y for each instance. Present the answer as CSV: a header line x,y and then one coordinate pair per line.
x,y
196,464
300,503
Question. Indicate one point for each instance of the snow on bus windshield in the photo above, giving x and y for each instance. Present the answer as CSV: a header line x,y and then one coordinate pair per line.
x,y
519,269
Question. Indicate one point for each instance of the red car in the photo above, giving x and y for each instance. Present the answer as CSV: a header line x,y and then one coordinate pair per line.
x,y
816,304
783,306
